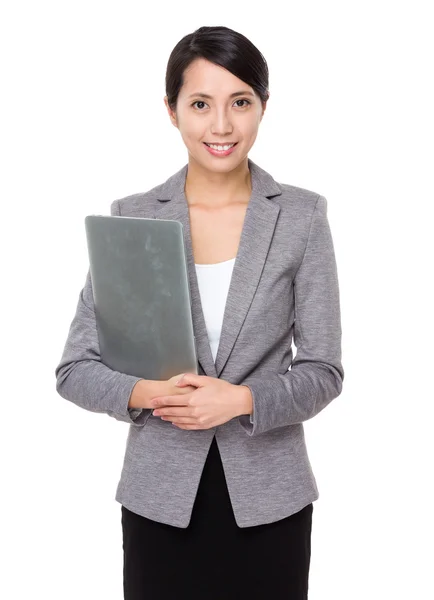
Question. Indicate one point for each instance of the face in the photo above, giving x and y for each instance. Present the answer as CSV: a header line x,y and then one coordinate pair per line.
x,y
227,116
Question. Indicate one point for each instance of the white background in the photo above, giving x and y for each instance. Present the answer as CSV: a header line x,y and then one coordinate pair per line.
x,y
83,123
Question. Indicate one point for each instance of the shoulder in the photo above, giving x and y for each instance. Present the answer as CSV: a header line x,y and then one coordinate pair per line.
x,y
300,200
136,202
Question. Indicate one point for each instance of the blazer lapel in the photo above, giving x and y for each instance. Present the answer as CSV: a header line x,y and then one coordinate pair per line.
x,y
257,233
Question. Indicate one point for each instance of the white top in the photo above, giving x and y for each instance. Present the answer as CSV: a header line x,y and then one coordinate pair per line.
x,y
214,281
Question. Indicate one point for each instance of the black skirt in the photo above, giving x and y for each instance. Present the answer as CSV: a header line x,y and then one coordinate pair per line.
x,y
213,558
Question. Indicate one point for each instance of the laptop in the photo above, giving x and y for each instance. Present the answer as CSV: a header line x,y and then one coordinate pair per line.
x,y
141,295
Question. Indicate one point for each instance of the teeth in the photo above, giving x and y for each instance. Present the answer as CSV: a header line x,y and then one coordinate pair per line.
x,y
221,148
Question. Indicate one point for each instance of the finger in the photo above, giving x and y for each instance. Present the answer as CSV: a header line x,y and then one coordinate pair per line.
x,y
182,420
173,412
192,379
178,400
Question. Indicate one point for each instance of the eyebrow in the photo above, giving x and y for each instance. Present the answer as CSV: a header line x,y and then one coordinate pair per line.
x,y
240,93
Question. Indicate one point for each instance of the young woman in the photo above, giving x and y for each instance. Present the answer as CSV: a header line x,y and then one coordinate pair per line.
x,y
216,488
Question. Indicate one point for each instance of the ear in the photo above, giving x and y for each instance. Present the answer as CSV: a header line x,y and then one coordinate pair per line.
x,y
172,113
264,106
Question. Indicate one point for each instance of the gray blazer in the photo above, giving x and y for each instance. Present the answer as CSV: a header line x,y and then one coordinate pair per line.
x,y
284,287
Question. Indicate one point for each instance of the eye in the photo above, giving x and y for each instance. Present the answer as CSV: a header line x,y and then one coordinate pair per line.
x,y
243,100
239,100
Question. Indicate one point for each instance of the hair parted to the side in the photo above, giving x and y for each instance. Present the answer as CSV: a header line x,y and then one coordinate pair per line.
x,y
221,46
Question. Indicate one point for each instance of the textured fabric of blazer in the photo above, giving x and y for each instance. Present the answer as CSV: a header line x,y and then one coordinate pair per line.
x,y
284,289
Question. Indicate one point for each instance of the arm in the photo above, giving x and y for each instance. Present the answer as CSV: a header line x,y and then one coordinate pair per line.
x,y
81,376
316,373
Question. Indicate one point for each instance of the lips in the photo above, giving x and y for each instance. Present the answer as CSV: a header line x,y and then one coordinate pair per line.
x,y
227,144
220,153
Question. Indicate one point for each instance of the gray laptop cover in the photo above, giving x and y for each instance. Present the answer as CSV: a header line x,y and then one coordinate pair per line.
x,y
141,295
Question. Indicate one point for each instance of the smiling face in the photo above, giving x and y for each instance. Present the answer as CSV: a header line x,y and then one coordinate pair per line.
x,y
231,113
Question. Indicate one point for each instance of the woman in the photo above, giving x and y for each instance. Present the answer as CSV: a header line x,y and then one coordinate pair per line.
x,y
216,489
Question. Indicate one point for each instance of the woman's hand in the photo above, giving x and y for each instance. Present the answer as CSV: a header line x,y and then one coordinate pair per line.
x,y
212,402
171,389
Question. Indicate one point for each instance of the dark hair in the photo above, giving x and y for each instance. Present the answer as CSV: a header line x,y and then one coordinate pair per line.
x,y
221,46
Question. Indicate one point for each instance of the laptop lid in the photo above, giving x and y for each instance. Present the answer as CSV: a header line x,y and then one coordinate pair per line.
x,y
141,295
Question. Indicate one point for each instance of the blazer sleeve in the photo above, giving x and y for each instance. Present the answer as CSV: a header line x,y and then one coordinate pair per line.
x,y
316,374
82,378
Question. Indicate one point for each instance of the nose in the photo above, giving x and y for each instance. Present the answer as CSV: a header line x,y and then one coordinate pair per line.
x,y
221,125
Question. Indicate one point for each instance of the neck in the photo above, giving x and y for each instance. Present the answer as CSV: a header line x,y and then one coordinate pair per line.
x,y
212,189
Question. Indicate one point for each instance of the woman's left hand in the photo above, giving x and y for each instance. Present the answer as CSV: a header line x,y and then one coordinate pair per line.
x,y
213,402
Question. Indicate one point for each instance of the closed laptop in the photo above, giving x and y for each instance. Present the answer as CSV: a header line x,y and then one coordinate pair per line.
x,y
141,295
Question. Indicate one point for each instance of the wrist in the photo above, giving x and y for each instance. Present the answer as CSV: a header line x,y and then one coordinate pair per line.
x,y
245,401
144,391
